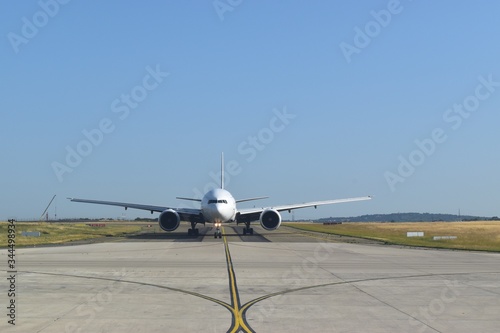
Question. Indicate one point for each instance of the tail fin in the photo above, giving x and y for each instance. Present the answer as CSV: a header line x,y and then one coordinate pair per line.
x,y
222,171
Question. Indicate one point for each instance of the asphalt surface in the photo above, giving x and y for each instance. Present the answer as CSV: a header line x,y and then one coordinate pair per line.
x,y
281,281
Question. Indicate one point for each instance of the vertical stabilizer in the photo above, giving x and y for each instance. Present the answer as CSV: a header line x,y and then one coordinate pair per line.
x,y
222,171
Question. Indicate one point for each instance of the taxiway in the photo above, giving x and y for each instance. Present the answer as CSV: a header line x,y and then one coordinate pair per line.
x,y
281,281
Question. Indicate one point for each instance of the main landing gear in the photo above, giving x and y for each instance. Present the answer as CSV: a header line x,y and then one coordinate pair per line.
x,y
218,232
247,229
193,231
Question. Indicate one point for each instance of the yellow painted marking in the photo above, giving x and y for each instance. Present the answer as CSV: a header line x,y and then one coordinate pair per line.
x,y
239,323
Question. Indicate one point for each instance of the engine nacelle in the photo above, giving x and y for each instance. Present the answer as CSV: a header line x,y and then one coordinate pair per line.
x,y
169,220
270,219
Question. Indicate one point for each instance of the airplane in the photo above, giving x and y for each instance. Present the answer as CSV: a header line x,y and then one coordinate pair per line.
x,y
218,206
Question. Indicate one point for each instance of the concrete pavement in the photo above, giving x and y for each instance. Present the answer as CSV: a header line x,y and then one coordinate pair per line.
x,y
281,281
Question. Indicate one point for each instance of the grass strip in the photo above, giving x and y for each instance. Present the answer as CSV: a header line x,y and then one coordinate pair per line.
x,y
477,235
57,233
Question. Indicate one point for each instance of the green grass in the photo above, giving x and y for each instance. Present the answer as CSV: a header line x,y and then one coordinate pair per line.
x,y
481,235
56,233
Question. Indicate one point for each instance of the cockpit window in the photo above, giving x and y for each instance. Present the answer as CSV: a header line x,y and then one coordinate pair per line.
x,y
217,201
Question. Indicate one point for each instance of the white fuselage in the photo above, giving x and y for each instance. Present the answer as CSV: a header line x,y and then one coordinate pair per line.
x,y
218,206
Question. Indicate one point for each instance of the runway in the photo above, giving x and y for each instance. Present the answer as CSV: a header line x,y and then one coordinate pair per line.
x,y
281,281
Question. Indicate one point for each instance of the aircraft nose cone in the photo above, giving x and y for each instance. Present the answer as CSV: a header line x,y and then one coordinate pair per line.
x,y
223,212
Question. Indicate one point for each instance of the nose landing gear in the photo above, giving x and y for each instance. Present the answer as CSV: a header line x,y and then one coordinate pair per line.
x,y
218,232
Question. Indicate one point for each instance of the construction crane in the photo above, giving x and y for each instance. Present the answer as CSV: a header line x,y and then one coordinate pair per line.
x,y
45,211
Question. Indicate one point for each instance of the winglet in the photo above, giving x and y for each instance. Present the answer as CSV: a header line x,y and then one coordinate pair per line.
x,y
222,171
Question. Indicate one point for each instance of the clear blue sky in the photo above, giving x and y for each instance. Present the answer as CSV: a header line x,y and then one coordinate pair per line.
x,y
172,84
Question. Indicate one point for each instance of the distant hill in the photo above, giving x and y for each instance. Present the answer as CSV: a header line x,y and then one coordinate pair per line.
x,y
407,217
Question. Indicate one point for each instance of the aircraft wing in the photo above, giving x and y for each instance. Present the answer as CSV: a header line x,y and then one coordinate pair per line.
x,y
184,213
253,214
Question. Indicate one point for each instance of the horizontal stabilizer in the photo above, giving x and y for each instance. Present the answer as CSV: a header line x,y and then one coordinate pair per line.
x,y
190,199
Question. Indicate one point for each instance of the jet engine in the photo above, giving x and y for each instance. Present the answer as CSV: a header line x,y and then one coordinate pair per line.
x,y
169,220
270,219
